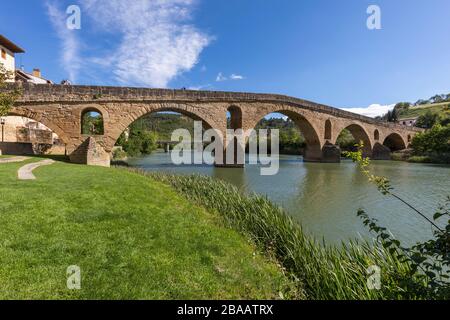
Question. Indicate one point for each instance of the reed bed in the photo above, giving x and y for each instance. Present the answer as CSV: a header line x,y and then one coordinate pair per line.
x,y
322,272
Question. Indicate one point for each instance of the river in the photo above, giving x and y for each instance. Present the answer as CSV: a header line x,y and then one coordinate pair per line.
x,y
325,198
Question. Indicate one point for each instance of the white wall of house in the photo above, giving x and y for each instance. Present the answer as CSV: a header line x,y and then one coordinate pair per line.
x,y
8,60
15,123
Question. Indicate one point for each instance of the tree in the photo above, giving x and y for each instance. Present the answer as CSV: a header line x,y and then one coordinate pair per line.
x,y
445,121
429,261
422,102
402,106
427,120
438,98
7,97
139,142
392,116
434,141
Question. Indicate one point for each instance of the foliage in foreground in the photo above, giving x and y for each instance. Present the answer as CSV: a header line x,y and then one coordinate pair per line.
x,y
322,272
429,262
7,97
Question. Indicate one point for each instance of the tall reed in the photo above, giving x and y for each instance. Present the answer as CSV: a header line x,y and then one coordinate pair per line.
x,y
323,271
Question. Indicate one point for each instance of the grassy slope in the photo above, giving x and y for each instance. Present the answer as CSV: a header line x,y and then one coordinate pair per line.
x,y
420,110
132,237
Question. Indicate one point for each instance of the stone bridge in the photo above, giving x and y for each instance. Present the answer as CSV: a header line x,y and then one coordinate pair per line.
x,y
61,109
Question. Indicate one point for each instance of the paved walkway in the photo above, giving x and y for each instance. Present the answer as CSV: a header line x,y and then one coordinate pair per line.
x,y
26,172
12,159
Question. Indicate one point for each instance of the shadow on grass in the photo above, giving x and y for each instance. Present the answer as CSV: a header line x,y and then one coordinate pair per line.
x,y
59,158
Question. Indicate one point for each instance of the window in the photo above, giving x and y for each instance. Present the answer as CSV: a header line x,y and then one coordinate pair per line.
x,y
376,135
328,130
3,53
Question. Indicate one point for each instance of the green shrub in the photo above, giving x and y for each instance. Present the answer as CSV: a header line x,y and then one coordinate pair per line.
x,y
139,142
119,154
433,141
420,159
428,120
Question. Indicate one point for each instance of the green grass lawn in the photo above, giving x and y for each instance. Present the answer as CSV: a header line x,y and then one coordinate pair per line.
x,y
132,237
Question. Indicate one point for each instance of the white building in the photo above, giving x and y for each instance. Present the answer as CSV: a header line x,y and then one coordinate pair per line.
x,y
8,51
409,122
7,58
21,130
35,77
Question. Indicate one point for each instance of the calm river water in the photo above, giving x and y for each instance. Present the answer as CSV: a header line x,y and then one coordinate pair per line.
x,y
324,198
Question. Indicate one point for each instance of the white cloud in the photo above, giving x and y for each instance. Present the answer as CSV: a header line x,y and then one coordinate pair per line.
x,y
236,77
157,44
70,57
373,110
154,40
220,77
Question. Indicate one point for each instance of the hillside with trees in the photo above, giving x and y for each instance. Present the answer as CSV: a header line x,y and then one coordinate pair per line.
x,y
433,115
435,110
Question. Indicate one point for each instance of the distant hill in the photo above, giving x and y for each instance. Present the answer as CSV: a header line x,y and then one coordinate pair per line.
x,y
442,108
438,105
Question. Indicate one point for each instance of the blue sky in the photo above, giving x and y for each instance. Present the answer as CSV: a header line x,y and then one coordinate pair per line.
x,y
318,50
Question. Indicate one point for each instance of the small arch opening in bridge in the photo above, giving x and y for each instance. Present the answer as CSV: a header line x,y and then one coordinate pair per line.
x,y
92,123
353,135
394,142
234,122
297,135
376,135
234,118
328,130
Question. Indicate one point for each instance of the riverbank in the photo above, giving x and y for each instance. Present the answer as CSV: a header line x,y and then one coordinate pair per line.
x,y
324,272
409,156
131,236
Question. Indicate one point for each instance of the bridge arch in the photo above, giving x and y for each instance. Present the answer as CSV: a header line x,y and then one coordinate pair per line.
x,y
313,151
394,142
144,110
360,135
38,117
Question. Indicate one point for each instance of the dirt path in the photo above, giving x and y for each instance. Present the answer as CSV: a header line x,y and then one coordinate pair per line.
x,y
12,159
26,172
